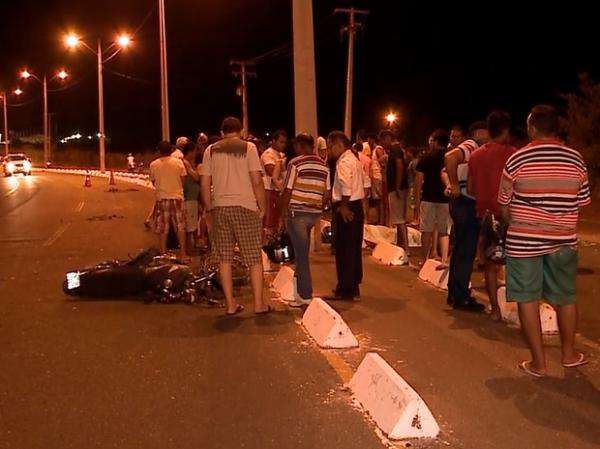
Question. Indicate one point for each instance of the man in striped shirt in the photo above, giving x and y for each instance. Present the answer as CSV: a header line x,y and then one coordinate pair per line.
x,y
542,188
306,188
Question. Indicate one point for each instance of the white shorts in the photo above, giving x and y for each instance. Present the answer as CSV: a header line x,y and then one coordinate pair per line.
x,y
191,216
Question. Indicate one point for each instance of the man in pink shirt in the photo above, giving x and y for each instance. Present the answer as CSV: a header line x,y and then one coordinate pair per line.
x,y
485,171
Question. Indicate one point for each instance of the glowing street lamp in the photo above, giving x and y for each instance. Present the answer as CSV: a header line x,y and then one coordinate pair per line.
x,y
391,118
71,40
18,92
122,42
26,75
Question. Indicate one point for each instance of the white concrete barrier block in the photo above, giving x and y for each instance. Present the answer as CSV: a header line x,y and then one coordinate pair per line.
x,y
267,267
510,313
395,407
431,274
548,319
375,234
388,254
285,284
414,238
327,327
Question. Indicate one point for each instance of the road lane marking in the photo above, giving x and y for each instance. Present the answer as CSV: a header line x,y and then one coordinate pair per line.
x,y
60,231
79,207
11,191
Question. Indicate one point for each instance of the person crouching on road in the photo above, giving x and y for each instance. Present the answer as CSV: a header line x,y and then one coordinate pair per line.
x,y
306,189
347,197
167,174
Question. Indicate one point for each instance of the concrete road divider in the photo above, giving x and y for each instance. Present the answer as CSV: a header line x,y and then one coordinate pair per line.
x,y
285,284
431,273
393,404
388,254
327,327
510,313
267,266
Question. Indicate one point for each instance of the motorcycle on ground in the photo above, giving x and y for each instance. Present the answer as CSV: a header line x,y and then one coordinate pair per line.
x,y
157,277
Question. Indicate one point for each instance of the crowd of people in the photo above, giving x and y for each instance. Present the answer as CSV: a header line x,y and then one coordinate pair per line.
x,y
490,193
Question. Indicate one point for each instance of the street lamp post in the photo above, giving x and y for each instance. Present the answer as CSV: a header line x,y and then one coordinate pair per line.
x,y
121,43
5,123
62,74
164,80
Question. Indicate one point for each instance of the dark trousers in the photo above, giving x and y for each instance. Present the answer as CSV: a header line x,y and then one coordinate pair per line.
x,y
348,250
466,235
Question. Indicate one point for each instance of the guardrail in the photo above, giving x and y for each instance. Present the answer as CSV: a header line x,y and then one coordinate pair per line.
x,y
141,179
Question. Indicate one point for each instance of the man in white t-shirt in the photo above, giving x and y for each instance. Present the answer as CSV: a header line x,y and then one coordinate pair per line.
x,y
167,173
179,144
233,169
272,157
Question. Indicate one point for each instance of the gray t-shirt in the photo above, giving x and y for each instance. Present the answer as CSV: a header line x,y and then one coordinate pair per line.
x,y
229,163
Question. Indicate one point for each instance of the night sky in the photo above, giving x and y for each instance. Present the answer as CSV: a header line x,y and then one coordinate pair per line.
x,y
436,66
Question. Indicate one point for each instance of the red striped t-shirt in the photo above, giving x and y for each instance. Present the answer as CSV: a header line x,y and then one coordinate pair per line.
x,y
544,184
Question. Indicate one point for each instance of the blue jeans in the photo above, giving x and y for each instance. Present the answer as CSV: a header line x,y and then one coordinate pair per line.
x,y
299,225
466,235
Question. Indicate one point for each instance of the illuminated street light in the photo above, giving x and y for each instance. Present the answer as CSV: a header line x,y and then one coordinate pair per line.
x,y
71,40
391,118
26,75
18,92
122,42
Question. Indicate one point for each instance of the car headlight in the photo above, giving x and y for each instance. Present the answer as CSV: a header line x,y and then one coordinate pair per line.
x,y
10,167
27,165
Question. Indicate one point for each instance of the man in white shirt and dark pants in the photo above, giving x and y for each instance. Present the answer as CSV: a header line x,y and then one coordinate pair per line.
x,y
348,216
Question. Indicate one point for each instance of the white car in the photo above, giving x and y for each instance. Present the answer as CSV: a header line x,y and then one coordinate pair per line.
x,y
16,163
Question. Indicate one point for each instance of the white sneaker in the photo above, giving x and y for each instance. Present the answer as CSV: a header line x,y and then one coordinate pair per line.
x,y
300,302
404,260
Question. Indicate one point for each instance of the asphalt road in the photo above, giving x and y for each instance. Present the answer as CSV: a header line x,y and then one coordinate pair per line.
x,y
77,374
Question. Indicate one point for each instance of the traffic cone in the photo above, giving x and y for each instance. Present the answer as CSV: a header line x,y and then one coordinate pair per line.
x,y
88,180
112,186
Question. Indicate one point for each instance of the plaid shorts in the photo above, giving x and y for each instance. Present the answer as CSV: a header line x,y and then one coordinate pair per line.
x,y
236,224
167,213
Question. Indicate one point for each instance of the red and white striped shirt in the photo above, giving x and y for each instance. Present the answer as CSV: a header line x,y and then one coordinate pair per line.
x,y
544,184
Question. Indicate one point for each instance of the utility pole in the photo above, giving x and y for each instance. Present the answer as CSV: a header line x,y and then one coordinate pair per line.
x,y
243,74
46,138
305,90
164,80
101,131
3,94
353,25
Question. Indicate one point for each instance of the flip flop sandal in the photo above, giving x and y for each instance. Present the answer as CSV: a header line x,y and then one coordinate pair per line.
x,y
524,366
265,312
239,309
580,361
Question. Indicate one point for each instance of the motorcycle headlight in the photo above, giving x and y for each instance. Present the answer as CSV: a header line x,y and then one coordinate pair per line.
x,y
27,165
10,167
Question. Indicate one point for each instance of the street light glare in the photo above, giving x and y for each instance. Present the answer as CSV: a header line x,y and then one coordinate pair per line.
x,y
71,40
391,118
25,74
124,40
63,74
18,92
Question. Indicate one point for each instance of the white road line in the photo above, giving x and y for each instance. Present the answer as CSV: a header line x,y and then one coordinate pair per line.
x,y
79,207
11,191
60,231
